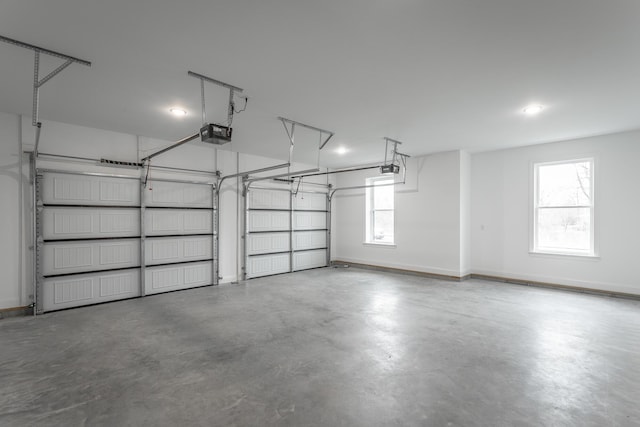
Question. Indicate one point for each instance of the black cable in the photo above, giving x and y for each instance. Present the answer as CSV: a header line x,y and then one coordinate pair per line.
x,y
246,101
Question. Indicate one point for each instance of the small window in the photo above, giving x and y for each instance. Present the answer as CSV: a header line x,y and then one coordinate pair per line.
x,y
380,210
563,208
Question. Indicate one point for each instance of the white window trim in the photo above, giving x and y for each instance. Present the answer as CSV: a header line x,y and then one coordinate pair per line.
x,y
368,223
533,234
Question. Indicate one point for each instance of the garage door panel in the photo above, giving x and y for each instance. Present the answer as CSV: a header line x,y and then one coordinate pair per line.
x,y
89,190
83,289
303,240
268,221
309,220
264,243
265,265
75,257
269,199
89,223
179,195
162,222
310,201
165,250
179,276
309,259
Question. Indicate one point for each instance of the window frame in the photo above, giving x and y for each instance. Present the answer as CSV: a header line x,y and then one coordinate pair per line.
x,y
370,210
592,252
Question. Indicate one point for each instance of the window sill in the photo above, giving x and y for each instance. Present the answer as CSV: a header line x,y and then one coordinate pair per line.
x,y
387,245
561,255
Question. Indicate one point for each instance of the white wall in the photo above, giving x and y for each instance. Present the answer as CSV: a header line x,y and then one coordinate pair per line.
x,y
457,214
17,134
465,214
428,215
10,161
501,214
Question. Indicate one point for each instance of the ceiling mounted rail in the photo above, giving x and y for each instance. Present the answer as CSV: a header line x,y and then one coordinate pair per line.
x,y
171,147
385,168
336,171
403,158
281,175
291,135
247,173
37,82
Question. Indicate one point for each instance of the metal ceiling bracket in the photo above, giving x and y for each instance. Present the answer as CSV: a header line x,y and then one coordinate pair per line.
x,y
37,82
293,124
386,149
232,91
322,131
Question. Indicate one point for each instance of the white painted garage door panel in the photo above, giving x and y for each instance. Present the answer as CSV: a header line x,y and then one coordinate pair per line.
x,y
264,243
309,220
75,257
160,222
310,201
269,199
83,289
179,276
268,221
88,190
179,195
309,259
303,240
165,250
265,265
89,223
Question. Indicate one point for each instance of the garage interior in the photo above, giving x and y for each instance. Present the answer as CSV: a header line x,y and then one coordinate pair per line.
x,y
241,213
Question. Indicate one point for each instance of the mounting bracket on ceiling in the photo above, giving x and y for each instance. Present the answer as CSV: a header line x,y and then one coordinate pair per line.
x,y
37,82
385,168
291,135
213,133
392,165
216,134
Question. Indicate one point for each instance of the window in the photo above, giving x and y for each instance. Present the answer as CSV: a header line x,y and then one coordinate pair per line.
x,y
380,204
563,208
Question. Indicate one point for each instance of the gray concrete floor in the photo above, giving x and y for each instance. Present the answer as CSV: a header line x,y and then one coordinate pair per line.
x,y
329,347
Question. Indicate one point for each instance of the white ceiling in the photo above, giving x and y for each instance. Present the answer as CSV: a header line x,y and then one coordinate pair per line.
x,y
436,74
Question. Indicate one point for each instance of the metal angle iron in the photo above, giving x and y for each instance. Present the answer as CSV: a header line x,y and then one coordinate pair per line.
x,y
37,81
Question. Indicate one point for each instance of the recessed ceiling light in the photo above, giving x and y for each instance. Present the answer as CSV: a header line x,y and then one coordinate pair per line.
x,y
178,111
341,150
532,110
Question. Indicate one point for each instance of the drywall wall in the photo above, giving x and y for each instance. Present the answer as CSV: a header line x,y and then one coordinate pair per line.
x,y
465,214
10,169
202,160
501,195
427,219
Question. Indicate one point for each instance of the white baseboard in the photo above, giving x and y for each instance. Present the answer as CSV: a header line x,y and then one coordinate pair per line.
x,y
573,283
9,303
411,268
506,276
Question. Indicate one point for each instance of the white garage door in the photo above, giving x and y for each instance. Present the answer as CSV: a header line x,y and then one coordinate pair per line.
x,y
90,232
284,233
309,230
178,236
